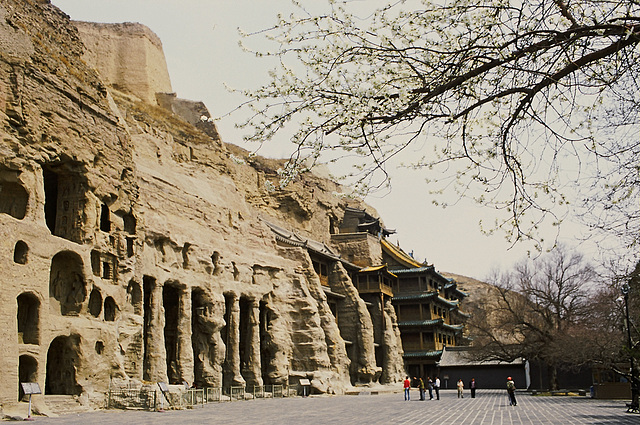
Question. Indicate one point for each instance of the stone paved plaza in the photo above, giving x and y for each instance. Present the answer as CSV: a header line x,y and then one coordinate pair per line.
x,y
489,407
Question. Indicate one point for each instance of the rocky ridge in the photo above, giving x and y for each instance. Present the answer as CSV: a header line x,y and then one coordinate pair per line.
x,y
134,246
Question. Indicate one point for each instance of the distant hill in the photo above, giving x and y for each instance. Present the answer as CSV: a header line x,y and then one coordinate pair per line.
x,y
478,291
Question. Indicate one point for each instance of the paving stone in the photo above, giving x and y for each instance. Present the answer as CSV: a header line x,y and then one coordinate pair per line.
x,y
490,407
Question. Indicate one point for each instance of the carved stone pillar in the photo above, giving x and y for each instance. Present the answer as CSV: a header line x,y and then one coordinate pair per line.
x,y
185,346
233,344
253,369
154,360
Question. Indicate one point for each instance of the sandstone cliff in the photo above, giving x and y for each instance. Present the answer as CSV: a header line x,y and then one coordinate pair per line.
x,y
133,243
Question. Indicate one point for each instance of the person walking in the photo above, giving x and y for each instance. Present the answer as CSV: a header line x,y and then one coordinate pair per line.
x,y
460,386
472,387
511,391
436,386
421,388
430,387
407,389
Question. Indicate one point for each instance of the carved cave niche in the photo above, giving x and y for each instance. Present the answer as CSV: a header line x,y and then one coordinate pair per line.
x,y
171,302
28,318
27,372
198,334
67,283
13,198
130,246
226,335
99,347
266,354
95,303
63,359
20,252
95,262
105,218
65,202
148,286
185,255
202,327
245,306
110,309
134,296
110,267
129,223
215,260
132,356
104,265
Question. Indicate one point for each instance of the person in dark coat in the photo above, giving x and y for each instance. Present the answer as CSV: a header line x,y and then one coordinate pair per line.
x,y
472,387
511,390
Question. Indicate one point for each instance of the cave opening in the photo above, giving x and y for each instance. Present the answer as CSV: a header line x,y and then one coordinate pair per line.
x,y
67,283
134,294
199,336
265,351
63,359
50,199
28,319
64,203
245,334
171,304
225,333
110,309
148,285
27,372
20,252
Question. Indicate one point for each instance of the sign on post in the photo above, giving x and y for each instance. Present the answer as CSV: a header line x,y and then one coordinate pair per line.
x,y
305,384
29,389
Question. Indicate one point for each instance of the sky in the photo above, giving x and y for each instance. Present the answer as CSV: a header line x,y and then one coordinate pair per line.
x,y
200,41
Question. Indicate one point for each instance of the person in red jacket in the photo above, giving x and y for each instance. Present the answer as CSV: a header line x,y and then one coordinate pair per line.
x,y
407,389
511,390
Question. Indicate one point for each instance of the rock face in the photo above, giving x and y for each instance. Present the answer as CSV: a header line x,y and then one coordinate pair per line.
x,y
128,56
133,242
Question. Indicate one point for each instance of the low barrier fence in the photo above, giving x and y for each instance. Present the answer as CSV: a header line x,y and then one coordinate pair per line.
x,y
151,398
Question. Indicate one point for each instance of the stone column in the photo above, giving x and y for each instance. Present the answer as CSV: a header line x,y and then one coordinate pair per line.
x,y
253,370
155,358
185,346
233,344
393,364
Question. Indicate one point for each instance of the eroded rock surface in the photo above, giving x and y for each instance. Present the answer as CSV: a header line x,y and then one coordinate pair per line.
x,y
133,248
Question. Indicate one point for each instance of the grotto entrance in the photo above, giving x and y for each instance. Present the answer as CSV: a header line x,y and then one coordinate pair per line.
x,y
62,360
27,372
245,332
148,285
171,303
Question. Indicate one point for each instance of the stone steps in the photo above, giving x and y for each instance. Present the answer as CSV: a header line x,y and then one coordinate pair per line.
x,y
64,404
